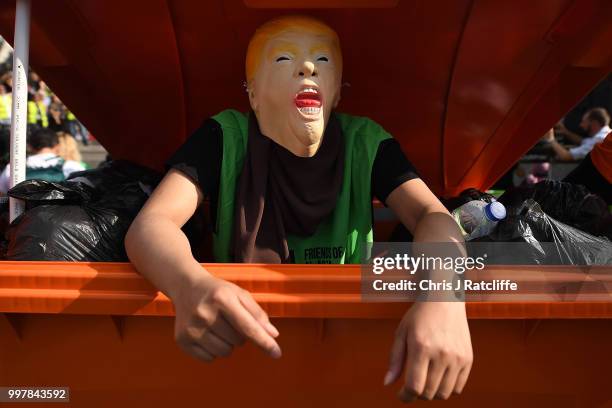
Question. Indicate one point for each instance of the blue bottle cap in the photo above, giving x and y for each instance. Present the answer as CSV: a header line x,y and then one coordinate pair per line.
x,y
495,211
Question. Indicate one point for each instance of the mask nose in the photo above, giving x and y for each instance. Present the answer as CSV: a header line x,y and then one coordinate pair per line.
x,y
307,69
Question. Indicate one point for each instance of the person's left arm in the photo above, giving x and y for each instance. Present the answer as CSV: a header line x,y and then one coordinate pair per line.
x,y
561,152
568,134
432,343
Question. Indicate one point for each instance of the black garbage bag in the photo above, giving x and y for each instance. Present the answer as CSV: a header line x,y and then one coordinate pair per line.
x,y
40,192
120,185
82,219
68,233
568,203
125,186
63,223
543,240
465,196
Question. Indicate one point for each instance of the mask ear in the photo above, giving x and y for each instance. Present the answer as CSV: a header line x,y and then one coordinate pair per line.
x,y
337,101
250,90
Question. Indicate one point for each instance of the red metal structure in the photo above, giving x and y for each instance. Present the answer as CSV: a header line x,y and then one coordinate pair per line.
x,y
467,86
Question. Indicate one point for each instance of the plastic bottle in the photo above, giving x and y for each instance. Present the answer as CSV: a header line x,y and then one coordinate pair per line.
x,y
477,218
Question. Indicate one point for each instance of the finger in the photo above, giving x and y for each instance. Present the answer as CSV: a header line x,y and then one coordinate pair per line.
x,y
225,331
195,350
462,378
396,359
242,320
449,380
258,313
417,363
214,345
437,369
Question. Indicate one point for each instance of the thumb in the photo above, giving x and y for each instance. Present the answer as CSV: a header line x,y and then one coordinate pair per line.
x,y
397,358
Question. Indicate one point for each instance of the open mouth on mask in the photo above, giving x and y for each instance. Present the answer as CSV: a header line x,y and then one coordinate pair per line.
x,y
308,101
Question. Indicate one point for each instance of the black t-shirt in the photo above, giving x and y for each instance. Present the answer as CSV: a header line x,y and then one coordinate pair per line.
x,y
200,159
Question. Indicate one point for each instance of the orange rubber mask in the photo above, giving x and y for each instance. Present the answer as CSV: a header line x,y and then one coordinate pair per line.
x,y
294,74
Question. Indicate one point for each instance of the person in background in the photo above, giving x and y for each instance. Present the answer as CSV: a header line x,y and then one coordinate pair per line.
x,y
37,111
69,149
56,118
45,93
569,136
7,80
33,82
69,122
76,129
6,106
595,171
44,163
595,122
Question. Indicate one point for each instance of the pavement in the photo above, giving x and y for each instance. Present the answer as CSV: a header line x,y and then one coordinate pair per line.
x,y
93,153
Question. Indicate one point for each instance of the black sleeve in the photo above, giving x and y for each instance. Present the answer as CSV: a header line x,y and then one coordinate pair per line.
x,y
391,169
200,158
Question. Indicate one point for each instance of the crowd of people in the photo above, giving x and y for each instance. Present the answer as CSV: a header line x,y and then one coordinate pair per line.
x,y
52,133
53,156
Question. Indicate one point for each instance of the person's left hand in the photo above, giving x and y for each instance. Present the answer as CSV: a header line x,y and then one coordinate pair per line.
x,y
432,345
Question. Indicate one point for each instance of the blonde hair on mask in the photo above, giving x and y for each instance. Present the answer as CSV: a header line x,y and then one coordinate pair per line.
x,y
279,25
68,148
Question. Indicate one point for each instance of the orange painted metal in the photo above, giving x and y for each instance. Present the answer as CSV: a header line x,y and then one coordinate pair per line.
x,y
286,291
466,86
106,333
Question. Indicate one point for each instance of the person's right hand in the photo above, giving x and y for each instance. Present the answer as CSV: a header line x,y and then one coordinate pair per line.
x,y
213,316
549,136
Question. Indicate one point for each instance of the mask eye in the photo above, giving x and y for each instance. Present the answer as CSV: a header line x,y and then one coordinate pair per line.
x,y
323,59
282,58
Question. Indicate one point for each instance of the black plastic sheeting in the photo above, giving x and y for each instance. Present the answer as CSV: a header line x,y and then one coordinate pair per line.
x,y
544,240
570,204
82,219
550,223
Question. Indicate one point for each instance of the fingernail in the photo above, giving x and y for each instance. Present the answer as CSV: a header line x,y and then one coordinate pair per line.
x,y
273,330
388,378
276,352
405,397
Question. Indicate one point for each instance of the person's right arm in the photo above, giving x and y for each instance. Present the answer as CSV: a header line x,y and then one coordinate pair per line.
x,y
212,315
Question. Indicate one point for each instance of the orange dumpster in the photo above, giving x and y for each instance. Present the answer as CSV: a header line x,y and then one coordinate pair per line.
x,y
466,86
103,331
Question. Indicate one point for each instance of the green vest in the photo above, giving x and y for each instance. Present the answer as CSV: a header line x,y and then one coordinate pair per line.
x,y
53,174
343,236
